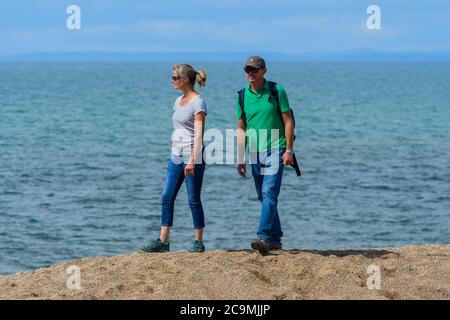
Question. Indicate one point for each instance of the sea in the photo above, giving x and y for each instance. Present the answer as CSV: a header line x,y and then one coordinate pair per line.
x,y
84,148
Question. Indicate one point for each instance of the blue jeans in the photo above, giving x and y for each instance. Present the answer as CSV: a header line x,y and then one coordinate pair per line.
x,y
174,180
267,174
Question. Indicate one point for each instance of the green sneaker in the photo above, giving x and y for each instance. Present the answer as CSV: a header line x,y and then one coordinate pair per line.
x,y
197,246
156,246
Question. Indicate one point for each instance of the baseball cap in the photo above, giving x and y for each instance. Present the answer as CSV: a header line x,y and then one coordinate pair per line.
x,y
255,61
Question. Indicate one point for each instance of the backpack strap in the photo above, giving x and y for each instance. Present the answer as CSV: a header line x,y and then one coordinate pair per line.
x,y
274,93
241,95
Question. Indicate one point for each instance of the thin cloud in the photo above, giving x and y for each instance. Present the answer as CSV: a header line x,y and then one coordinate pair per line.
x,y
288,26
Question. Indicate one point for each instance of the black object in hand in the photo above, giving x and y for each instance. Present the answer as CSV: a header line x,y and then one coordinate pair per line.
x,y
295,166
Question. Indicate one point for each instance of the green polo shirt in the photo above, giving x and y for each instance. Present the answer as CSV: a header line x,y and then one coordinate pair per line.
x,y
262,115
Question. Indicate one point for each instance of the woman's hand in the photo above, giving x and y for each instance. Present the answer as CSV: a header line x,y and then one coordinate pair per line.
x,y
189,169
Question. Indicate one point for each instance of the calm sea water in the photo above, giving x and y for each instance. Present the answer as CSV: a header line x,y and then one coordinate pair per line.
x,y
84,148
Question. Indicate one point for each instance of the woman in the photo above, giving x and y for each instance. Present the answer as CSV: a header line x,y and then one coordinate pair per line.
x,y
186,163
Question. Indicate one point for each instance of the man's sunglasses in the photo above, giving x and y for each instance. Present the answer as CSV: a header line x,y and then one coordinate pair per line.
x,y
176,78
251,70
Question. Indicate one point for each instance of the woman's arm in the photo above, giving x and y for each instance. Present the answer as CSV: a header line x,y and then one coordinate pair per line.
x,y
241,127
196,154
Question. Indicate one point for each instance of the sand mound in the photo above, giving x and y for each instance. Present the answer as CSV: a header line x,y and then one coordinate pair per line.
x,y
412,272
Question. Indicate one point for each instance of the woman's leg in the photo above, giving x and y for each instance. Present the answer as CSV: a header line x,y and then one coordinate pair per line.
x,y
198,234
194,187
174,180
164,234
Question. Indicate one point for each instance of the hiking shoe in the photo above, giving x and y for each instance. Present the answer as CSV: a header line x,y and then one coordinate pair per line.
x,y
197,246
275,245
156,246
262,245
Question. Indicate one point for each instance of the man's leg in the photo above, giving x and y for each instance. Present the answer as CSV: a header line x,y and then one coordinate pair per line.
x,y
257,244
277,233
269,225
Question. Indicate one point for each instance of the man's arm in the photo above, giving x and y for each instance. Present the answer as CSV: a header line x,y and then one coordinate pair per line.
x,y
289,133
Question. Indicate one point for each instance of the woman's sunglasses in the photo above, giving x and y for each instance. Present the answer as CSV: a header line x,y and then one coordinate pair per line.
x,y
251,70
176,78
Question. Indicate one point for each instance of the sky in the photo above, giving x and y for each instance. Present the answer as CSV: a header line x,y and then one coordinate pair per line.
x,y
290,26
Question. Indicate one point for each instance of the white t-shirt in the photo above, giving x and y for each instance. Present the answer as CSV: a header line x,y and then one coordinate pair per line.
x,y
183,123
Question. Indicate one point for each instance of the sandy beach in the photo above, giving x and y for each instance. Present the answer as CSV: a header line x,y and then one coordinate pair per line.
x,y
411,272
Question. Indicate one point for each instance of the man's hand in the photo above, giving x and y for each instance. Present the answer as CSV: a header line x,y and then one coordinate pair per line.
x,y
288,159
242,170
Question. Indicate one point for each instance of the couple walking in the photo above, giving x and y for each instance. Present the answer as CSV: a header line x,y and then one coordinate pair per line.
x,y
262,105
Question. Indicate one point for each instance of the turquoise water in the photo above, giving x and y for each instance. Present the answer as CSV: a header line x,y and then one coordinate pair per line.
x,y
84,147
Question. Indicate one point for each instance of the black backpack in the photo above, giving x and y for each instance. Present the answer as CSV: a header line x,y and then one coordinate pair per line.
x,y
274,95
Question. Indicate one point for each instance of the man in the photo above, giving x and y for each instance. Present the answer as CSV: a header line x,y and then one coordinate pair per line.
x,y
269,149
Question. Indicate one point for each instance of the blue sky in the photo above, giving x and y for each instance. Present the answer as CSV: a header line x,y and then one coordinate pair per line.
x,y
289,26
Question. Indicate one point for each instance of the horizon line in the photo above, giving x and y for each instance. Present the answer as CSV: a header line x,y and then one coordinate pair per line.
x,y
357,54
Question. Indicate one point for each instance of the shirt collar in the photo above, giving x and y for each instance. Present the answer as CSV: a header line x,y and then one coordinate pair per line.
x,y
263,89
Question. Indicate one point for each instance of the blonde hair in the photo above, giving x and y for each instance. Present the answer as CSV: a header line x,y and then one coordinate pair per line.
x,y
189,72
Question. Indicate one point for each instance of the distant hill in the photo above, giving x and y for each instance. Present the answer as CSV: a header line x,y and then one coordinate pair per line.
x,y
357,55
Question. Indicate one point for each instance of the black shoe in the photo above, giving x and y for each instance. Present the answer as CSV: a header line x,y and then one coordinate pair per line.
x,y
275,245
262,245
